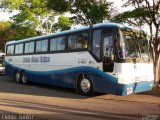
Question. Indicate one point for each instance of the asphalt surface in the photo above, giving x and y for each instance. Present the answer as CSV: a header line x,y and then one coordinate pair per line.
x,y
44,102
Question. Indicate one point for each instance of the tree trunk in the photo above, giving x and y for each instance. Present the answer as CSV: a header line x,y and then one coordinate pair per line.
x,y
156,71
159,71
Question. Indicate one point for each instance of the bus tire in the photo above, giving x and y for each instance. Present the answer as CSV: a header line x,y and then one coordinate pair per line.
x,y
24,78
85,86
17,76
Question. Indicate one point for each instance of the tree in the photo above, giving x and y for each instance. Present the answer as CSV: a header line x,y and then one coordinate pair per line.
x,y
133,17
64,23
3,27
32,13
59,6
87,12
145,12
9,31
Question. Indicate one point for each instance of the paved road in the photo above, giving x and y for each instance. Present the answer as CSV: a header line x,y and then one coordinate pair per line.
x,y
43,102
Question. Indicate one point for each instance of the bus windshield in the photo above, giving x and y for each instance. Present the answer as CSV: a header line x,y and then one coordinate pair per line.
x,y
132,47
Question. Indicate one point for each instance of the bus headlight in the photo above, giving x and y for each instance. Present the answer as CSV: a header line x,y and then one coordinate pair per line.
x,y
121,80
127,80
129,90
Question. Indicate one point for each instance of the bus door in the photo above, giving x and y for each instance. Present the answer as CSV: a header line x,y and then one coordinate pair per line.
x,y
108,53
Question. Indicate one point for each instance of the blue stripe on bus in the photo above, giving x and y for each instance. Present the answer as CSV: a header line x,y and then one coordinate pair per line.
x,y
102,82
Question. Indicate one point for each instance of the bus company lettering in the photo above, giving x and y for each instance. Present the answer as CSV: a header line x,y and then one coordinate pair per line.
x,y
41,59
44,59
34,59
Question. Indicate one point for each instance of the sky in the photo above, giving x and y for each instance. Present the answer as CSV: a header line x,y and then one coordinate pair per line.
x,y
6,16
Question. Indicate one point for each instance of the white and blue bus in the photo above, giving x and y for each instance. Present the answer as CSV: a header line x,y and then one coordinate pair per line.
x,y
107,58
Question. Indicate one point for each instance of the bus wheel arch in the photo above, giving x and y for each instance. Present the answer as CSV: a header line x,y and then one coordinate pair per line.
x,y
17,76
84,85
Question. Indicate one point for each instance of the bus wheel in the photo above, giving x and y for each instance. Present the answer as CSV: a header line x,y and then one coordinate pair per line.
x,y
85,86
24,78
17,76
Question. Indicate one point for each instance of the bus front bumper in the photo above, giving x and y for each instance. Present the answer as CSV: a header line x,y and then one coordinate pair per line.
x,y
126,89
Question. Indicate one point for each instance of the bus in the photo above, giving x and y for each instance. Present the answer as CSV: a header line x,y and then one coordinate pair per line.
x,y
107,58
2,68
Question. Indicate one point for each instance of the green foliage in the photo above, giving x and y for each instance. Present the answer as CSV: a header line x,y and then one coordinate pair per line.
x,y
39,14
86,12
90,11
64,23
23,32
134,17
11,4
5,25
9,31
32,13
144,12
59,6
136,13
3,28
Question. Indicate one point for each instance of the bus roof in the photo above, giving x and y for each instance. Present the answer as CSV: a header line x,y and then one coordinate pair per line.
x,y
68,31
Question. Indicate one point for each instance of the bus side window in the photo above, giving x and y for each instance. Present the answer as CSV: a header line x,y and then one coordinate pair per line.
x,y
57,44
10,50
61,43
38,46
19,49
78,41
96,43
26,48
42,46
72,42
53,44
82,41
29,47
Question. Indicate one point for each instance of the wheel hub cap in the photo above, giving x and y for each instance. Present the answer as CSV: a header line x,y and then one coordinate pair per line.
x,y
24,78
85,85
17,76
